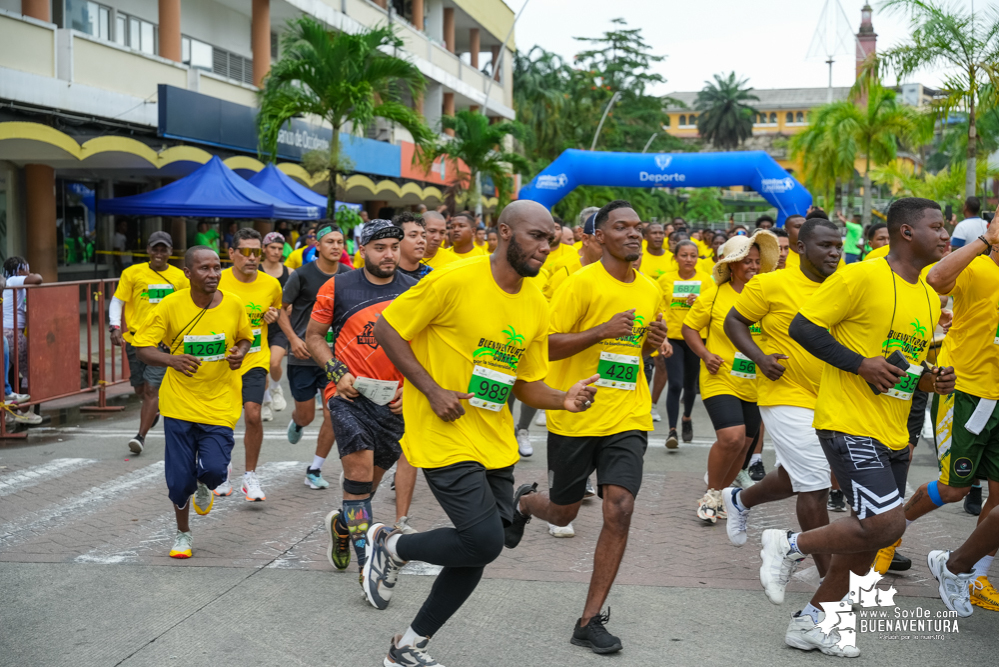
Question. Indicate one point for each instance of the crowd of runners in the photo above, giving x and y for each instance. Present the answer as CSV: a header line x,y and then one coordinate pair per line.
x,y
414,338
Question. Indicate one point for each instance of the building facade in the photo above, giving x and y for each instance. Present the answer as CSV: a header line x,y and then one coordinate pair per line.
x,y
112,98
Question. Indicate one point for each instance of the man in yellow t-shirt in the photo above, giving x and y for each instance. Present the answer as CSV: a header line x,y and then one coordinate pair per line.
x,y
463,237
863,315
435,255
141,288
201,335
461,360
792,225
604,319
784,241
656,258
967,421
789,385
261,295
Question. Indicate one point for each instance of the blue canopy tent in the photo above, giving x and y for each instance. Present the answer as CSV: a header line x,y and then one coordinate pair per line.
x,y
275,182
212,191
754,169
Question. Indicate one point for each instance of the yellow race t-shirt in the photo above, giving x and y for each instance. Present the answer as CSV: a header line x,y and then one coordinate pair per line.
x,y
214,394
873,312
263,293
675,296
587,299
737,375
295,258
442,257
141,288
559,272
773,299
473,337
560,253
706,264
972,344
878,253
655,266
476,251
793,260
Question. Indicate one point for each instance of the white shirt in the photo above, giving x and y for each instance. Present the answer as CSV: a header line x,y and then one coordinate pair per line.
x,y
8,304
968,230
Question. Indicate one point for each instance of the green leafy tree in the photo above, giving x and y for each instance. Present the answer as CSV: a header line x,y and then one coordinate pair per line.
x,y
824,160
478,144
725,118
345,79
704,205
967,43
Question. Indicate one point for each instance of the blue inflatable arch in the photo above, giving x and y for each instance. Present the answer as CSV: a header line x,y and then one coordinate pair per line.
x,y
754,169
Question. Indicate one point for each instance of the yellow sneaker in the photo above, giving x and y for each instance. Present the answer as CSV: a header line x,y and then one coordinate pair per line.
x,y
883,559
181,545
984,594
203,499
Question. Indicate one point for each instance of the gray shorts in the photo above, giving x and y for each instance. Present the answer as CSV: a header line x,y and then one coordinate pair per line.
x,y
871,475
139,373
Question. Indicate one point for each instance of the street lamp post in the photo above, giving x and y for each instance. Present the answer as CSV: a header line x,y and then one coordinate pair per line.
x,y
596,134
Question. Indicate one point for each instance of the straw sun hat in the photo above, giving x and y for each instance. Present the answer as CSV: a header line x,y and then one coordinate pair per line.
x,y
736,249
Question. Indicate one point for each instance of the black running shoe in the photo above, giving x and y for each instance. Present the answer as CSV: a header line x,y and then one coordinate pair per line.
x,y
687,430
757,471
594,635
515,531
410,656
671,440
973,501
899,563
836,502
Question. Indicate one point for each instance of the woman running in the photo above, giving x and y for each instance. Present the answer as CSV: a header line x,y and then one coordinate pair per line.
x,y
681,288
728,377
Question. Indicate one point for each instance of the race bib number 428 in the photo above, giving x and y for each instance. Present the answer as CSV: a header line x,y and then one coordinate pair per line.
x,y
618,371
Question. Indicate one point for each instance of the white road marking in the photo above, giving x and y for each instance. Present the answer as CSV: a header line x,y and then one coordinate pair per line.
x,y
84,504
34,475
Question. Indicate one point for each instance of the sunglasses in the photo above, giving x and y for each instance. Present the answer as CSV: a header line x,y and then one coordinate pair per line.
x,y
250,252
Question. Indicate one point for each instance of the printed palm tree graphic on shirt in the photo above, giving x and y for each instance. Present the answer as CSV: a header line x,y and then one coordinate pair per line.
x,y
639,321
256,312
917,328
512,338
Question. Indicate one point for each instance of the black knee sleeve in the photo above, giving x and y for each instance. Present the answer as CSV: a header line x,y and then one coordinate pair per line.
x,y
356,488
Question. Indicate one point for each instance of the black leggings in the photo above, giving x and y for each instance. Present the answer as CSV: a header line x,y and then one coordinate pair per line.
x,y
681,369
526,413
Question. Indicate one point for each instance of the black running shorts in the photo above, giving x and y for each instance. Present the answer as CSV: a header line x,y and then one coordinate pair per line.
x,y
617,458
726,411
871,476
254,385
361,424
469,493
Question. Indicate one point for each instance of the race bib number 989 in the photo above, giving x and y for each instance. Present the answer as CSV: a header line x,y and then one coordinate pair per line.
x,y
489,388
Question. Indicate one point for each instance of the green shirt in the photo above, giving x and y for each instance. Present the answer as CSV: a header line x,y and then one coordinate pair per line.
x,y
854,234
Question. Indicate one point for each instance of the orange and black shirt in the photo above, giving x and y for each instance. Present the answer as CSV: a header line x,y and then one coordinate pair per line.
x,y
350,304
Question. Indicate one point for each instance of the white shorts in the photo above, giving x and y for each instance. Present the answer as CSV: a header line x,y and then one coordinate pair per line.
x,y
797,446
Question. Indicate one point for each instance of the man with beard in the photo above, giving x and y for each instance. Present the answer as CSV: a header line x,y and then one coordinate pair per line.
x,y
207,335
435,255
604,318
461,361
463,237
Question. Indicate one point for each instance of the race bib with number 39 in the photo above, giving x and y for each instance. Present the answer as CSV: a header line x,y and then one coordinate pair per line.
x,y
206,348
906,384
618,371
489,388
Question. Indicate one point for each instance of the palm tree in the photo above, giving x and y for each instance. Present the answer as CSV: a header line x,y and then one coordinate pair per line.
x,y
725,119
873,130
943,37
476,143
825,160
345,79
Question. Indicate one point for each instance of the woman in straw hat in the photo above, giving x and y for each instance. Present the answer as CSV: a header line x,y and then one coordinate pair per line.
x,y
728,378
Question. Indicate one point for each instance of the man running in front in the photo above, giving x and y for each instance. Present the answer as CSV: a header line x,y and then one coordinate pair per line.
x,y
366,412
261,295
207,335
461,361
871,323
604,319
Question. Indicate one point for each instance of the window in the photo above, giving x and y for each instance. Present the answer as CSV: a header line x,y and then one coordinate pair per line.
x,y
693,119
683,120
789,118
120,23
232,66
90,18
196,53
800,118
135,33
274,45
773,118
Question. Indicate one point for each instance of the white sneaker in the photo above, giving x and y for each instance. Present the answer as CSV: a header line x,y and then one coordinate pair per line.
x,y
14,398
27,417
656,417
778,564
402,525
736,526
251,487
277,397
710,506
743,480
561,531
590,489
524,442
804,633
540,420
182,544
705,478
225,488
954,588
266,415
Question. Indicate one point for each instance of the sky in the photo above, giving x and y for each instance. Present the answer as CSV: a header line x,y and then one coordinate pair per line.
x,y
767,42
